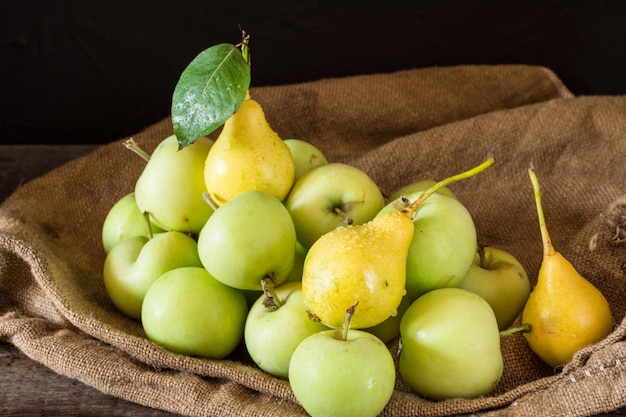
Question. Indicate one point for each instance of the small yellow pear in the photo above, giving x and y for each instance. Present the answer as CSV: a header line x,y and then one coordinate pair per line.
x,y
565,312
364,266
248,155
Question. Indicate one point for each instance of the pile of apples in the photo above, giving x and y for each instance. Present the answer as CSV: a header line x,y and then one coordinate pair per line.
x,y
207,264
253,239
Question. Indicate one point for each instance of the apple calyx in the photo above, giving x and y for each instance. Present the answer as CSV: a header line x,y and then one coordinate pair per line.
x,y
134,146
346,324
403,202
271,300
524,328
411,209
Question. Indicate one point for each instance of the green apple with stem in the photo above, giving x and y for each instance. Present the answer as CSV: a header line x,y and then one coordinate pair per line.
x,y
132,266
329,196
306,156
248,238
342,372
276,324
125,220
443,245
294,275
188,311
498,277
171,186
450,345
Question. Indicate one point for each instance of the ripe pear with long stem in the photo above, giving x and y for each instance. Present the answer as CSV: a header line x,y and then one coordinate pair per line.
x,y
564,311
365,264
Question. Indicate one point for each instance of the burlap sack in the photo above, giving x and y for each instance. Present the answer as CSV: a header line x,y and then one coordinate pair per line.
x,y
399,127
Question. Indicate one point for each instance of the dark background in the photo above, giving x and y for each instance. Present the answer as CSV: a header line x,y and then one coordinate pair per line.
x,y
94,71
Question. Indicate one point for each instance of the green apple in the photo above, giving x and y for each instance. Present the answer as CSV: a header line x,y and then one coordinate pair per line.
x,y
329,196
132,266
272,334
171,186
501,280
187,311
421,186
335,376
450,345
305,155
443,245
294,275
248,238
125,220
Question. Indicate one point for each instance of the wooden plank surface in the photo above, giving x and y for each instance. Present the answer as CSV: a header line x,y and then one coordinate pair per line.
x,y
28,388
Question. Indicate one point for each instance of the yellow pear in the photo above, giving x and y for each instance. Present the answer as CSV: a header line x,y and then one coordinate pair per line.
x,y
364,265
564,311
248,155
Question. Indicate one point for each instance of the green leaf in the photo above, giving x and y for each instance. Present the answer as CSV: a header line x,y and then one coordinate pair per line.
x,y
209,91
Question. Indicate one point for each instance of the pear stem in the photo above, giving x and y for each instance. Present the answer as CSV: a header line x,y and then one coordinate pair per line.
x,y
245,46
548,249
346,324
410,210
524,328
271,300
133,146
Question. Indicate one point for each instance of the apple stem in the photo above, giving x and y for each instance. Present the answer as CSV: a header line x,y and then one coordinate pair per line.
x,y
146,216
271,300
524,328
347,220
133,146
548,249
207,198
346,324
410,210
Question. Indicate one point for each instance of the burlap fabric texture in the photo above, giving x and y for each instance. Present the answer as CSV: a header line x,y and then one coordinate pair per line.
x,y
398,127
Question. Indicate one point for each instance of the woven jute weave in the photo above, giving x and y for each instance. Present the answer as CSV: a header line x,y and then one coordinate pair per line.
x,y
398,127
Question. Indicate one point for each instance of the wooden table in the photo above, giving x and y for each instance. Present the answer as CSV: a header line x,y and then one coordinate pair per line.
x,y
28,388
